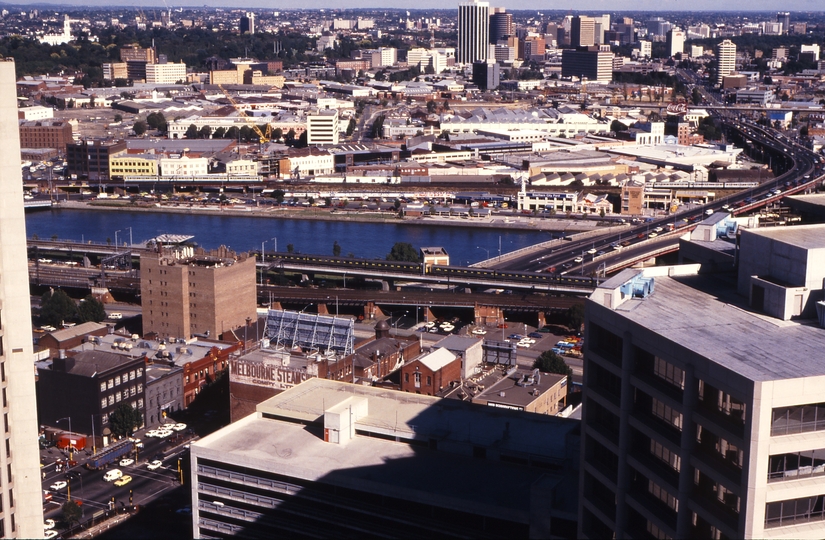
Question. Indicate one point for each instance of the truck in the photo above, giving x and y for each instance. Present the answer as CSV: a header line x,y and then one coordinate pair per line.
x,y
109,455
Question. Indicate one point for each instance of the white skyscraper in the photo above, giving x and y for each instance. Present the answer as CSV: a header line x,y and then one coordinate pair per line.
x,y
473,32
675,41
726,58
21,511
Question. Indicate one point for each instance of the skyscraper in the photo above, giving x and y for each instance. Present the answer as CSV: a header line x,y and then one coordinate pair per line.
x,y
248,23
501,25
675,41
21,511
784,17
582,31
473,31
726,58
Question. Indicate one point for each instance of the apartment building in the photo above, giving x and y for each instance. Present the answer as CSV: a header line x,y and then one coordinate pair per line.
x,y
168,73
46,134
701,403
322,127
186,292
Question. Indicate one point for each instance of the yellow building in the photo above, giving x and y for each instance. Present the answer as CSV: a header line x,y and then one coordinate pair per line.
x,y
133,165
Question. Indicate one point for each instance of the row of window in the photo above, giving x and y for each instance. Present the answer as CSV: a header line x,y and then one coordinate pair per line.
x,y
121,379
110,400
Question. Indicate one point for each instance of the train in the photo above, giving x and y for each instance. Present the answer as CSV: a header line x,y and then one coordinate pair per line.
x,y
447,272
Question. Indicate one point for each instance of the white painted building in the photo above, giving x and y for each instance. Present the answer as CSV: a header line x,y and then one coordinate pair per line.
x,y
38,112
322,127
169,73
183,166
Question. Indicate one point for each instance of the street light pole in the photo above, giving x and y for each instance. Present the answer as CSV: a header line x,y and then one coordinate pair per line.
x,y
116,240
130,236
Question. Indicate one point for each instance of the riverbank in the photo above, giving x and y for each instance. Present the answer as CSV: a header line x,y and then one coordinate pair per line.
x,y
517,222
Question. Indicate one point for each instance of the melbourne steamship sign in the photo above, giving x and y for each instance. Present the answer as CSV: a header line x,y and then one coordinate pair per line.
x,y
275,372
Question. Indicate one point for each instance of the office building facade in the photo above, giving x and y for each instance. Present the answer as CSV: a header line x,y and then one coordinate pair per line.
x,y
473,31
501,25
582,31
247,25
701,405
675,41
322,127
726,60
21,514
593,65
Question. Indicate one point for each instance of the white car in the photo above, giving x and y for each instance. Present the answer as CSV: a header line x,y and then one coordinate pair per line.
x,y
125,462
523,345
57,486
154,465
51,533
179,427
48,524
152,433
115,315
479,331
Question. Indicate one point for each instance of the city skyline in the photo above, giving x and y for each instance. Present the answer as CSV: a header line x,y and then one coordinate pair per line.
x,y
594,5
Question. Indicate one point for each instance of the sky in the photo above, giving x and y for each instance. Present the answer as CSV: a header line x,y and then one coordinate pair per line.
x,y
583,5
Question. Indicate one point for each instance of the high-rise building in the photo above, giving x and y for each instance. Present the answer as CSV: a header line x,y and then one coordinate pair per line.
x,y
675,41
501,25
247,25
185,292
473,32
726,60
784,18
582,31
602,25
21,514
486,74
593,65
701,398
322,127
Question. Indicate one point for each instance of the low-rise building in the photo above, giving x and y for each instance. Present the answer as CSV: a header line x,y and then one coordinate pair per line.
x,y
542,393
431,373
164,392
71,337
434,256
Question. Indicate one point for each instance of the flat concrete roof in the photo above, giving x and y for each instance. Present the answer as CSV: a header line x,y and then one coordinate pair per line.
x,y
803,236
705,315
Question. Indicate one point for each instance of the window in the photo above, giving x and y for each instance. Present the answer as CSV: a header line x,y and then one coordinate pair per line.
x,y
140,403
657,491
117,397
103,386
111,383
429,381
417,380
797,465
798,419
669,372
117,380
667,413
132,390
406,377
104,419
103,403
670,458
111,400
132,375
140,372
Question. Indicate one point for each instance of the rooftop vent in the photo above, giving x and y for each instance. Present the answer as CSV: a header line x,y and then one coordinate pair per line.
x,y
638,287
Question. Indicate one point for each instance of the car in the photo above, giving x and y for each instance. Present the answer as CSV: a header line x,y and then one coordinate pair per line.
x,y
515,336
115,316
123,480
653,235
529,340
125,462
600,253
179,427
48,524
523,345
479,331
578,259
154,465
57,486
111,475
51,533
152,433
536,335
501,325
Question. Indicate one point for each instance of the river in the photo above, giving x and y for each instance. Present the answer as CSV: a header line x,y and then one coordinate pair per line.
x,y
241,233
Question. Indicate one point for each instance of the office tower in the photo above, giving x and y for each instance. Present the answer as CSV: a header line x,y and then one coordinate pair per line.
x,y
21,512
501,25
248,23
582,31
675,41
726,59
473,31
784,18
702,394
657,26
602,25
486,74
593,65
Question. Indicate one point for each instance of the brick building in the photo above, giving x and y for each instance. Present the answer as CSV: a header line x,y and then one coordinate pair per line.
x,y
69,338
89,160
46,134
431,373
186,292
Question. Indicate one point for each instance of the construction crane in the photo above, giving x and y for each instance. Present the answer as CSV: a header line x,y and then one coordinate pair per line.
x,y
264,137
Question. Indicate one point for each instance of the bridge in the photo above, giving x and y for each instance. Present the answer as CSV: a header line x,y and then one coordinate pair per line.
x,y
35,204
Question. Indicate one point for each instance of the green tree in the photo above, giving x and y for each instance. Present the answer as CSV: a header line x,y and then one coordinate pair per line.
x,y
377,129
277,134
550,362
71,512
403,251
290,248
124,420
351,127
157,121
56,308
575,317
431,106
278,195
118,118
139,128
205,132
617,126
91,309
336,249
191,132
219,133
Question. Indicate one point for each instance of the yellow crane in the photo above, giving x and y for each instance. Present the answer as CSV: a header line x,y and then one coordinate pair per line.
x,y
264,137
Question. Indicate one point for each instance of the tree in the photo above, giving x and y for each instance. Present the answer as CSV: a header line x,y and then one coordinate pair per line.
x,y
139,128
336,249
550,362
157,121
91,309
118,118
232,133
617,126
351,127
575,317
290,248
431,106
191,132
277,133
377,130
56,308
219,133
205,132
403,251
71,512
124,420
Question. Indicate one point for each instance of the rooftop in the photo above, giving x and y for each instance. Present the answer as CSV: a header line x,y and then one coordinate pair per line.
x,y
802,236
437,359
705,315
